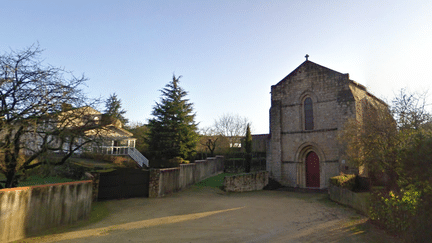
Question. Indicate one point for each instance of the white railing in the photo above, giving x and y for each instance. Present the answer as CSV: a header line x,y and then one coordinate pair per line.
x,y
138,157
124,150
113,150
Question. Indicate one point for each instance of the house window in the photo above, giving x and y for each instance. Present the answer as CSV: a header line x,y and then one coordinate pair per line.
x,y
308,114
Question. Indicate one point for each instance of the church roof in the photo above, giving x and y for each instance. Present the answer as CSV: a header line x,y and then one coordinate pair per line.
x,y
308,65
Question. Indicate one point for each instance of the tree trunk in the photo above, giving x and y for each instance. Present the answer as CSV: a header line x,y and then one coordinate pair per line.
x,y
11,180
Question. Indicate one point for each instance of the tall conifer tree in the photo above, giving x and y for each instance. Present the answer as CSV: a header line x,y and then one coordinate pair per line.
x,y
172,131
114,109
248,148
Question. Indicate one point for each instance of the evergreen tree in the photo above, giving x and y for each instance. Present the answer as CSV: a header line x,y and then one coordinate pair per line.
x,y
248,148
172,131
113,109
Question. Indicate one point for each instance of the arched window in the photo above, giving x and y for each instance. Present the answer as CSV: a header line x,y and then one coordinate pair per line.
x,y
308,114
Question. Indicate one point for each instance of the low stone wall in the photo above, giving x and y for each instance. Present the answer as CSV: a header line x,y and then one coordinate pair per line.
x,y
359,201
27,210
246,182
166,181
169,181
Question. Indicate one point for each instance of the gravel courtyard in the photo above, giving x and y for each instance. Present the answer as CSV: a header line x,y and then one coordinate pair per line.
x,y
207,214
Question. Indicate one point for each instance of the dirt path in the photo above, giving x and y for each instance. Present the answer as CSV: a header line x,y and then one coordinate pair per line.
x,y
205,214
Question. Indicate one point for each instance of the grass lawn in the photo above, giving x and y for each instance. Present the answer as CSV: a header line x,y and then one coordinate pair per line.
x,y
37,180
215,181
33,180
100,166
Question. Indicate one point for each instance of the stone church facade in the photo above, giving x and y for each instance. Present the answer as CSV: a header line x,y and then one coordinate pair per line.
x,y
308,109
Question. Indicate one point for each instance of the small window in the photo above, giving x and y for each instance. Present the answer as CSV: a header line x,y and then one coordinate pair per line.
x,y
308,113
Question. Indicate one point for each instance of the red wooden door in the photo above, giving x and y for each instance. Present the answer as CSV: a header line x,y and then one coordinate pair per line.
x,y
312,170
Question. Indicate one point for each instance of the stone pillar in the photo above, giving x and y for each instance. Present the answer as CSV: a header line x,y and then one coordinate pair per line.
x,y
274,165
154,183
95,183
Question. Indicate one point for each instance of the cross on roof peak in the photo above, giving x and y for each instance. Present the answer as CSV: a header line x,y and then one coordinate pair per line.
x,y
307,56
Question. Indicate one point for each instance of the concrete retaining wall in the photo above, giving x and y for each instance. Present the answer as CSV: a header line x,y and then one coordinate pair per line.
x,y
359,201
246,182
166,181
27,210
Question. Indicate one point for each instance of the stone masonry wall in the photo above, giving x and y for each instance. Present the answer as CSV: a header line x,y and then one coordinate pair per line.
x,y
359,201
246,182
335,99
167,181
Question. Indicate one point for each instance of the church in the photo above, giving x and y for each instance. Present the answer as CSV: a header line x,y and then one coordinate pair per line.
x,y
308,109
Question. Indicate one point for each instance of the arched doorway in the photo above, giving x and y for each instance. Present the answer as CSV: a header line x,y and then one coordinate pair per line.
x,y
312,170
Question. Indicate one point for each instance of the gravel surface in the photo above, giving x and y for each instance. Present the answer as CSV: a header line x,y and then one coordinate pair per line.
x,y
206,214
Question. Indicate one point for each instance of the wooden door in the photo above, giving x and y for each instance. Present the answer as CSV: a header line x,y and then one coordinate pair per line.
x,y
312,170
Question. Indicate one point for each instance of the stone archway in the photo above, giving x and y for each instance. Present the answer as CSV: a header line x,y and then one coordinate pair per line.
x,y
312,170
312,174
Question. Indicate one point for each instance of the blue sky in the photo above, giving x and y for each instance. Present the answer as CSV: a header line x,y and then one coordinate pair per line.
x,y
229,52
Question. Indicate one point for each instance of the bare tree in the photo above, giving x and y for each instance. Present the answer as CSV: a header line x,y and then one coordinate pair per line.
x,y
372,141
410,109
39,113
377,139
231,126
209,139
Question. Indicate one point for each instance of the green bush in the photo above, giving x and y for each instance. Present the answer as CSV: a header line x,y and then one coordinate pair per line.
x,y
361,184
168,163
124,162
421,223
177,161
345,181
96,156
70,170
394,211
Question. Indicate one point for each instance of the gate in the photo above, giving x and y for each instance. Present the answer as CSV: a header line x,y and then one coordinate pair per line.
x,y
124,183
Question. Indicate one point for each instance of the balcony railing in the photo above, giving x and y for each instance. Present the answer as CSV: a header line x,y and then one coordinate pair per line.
x,y
124,150
113,150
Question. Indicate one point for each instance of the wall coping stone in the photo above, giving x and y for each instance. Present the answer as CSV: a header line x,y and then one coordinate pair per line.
x,y
44,185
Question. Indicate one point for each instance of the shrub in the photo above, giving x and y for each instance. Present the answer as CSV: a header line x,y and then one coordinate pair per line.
x,y
393,210
421,230
124,162
353,183
96,156
175,162
345,181
70,170
361,184
272,185
168,163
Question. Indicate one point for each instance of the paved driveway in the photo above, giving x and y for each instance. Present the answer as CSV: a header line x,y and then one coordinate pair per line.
x,y
205,214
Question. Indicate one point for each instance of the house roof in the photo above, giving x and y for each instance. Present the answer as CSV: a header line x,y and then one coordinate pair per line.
x,y
118,132
113,130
